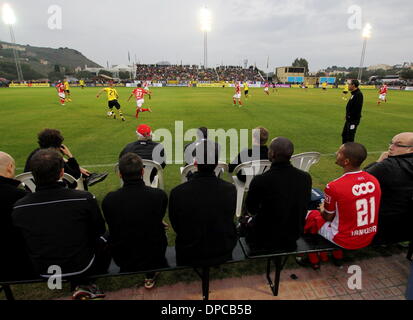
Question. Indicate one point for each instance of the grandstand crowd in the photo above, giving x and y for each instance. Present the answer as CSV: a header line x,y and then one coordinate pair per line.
x,y
60,226
194,73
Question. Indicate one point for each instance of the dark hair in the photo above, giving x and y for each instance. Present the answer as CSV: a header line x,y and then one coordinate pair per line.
x,y
261,134
356,153
355,82
206,156
139,85
282,149
46,165
203,133
130,167
50,138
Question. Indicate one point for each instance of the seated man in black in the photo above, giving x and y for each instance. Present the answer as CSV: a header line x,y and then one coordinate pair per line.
x,y
51,138
134,215
259,151
278,201
189,149
202,214
145,148
61,227
394,170
15,263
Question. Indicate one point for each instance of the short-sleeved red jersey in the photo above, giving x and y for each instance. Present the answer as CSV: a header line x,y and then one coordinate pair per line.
x,y
60,87
355,199
237,89
383,90
139,93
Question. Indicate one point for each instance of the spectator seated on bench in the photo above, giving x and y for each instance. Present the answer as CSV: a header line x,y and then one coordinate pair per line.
x,y
349,216
15,263
61,227
134,216
394,170
258,152
51,138
278,202
147,149
202,214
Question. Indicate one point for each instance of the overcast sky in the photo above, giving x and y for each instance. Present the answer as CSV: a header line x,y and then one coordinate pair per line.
x,y
159,30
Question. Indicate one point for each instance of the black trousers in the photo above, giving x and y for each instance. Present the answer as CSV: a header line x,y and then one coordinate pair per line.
x,y
349,131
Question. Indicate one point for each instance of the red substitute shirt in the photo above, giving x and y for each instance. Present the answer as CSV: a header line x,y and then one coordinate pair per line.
x,y
383,90
60,87
139,93
237,89
355,199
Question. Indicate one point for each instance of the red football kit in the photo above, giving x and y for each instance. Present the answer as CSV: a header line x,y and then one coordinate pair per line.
x,y
60,87
355,200
139,93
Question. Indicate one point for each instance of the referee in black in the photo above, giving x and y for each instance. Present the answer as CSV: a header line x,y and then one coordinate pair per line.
x,y
353,112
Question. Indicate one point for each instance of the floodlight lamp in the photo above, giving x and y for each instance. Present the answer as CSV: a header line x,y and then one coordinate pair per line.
x,y
8,15
206,20
367,31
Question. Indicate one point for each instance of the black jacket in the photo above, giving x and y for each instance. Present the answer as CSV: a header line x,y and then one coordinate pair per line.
x,y
202,214
145,150
134,215
278,200
190,151
355,106
395,175
60,226
71,166
246,155
15,263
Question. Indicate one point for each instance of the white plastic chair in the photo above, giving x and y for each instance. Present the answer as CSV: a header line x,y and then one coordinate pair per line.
x,y
304,161
158,181
221,168
27,180
250,170
149,165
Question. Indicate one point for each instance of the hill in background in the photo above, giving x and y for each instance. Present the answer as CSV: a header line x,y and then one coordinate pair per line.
x,y
38,62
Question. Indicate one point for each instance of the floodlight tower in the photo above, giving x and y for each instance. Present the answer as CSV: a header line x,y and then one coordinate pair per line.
x,y
9,19
206,22
366,35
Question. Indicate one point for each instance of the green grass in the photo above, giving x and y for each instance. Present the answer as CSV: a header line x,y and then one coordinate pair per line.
x,y
312,119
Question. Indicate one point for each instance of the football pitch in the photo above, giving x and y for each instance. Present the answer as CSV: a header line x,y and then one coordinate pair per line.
x,y
312,119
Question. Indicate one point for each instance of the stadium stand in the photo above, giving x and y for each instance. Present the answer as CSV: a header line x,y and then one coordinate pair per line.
x,y
193,73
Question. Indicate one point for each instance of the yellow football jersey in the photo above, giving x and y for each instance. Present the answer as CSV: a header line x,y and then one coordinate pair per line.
x,y
81,82
246,88
67,86
325,85
346,89
112,94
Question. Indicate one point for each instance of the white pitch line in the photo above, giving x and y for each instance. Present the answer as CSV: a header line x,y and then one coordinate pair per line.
x,y
114,164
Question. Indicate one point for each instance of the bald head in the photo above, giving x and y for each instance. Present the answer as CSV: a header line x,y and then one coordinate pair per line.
x,y
281,150
401,144
7,165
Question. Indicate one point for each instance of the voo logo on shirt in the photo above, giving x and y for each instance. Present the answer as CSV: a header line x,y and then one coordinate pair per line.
x,y
363,189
